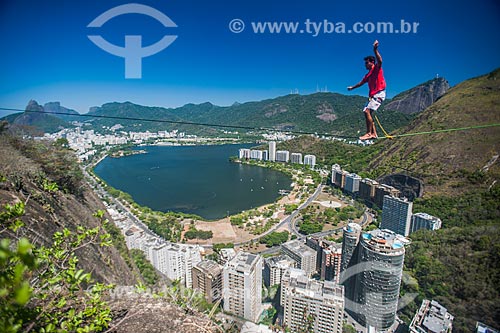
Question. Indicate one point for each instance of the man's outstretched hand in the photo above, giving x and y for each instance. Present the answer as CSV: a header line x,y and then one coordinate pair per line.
x,y
375,44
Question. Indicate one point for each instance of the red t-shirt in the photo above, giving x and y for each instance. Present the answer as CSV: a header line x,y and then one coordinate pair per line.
x,y
375,79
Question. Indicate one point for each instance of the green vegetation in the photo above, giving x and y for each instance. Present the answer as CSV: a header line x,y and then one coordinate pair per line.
x,y
193,233
457,267
346,328
472,208
237,220
269,317
42,289
313,219
320,112
148,272
35,122
307,228
217,247
57,163
289,169
290,208
255,221
191,301
275,238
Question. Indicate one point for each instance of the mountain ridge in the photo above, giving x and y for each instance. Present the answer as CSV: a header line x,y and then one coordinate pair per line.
x,y
321,112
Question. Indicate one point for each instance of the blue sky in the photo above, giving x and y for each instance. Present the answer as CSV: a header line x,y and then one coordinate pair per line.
x,y
47,56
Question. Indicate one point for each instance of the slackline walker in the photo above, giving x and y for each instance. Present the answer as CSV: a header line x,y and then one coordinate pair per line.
x,y
376,85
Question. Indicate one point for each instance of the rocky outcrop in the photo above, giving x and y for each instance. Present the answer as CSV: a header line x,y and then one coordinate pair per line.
x,y
56,108
418,98
140,313
410,187
39,121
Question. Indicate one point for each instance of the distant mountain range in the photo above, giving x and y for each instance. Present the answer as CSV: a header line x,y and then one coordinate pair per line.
x,y
330,113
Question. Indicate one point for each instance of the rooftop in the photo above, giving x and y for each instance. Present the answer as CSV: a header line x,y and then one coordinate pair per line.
x,y
300,284
243,261
280,262
209,267
298,247
432,317
353,227
384,240
427,216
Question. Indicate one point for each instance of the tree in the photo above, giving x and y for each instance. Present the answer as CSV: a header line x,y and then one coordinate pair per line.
x,y
147,270
346,328
275,238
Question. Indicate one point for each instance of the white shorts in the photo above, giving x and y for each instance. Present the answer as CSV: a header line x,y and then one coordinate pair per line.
x,y
375,101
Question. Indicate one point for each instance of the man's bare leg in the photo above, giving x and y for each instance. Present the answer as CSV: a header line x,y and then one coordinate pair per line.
x,y
371,132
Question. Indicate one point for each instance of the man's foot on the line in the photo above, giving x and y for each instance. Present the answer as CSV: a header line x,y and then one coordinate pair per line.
x,y
368,136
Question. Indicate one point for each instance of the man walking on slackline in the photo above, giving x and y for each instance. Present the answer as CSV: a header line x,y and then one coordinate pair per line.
x,y
376,85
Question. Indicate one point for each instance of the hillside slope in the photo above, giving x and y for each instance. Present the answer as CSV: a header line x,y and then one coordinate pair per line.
x,y
28,172
27,166
447,161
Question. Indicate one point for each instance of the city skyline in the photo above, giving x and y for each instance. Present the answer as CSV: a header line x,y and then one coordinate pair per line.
x,y
50,58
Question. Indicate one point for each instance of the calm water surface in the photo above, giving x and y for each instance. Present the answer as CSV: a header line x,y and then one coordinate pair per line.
x,y
193,179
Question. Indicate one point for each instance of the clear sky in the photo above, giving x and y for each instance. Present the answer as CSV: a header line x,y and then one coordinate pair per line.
x,y
47,56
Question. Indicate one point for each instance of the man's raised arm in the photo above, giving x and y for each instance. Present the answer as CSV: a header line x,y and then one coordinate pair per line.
x,y
377,54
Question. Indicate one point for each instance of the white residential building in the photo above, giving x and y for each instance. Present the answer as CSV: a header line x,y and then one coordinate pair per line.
x,y
424,221
256,154
283,156
272,151
352,183
275,267
296,158
244,153
310,160
311,302
242,286
176,260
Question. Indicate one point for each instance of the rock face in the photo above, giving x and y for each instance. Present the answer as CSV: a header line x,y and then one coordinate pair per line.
x,y
419,98
410,187
146,314
56,107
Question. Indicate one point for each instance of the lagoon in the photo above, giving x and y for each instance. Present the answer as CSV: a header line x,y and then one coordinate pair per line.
x,y
193,179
